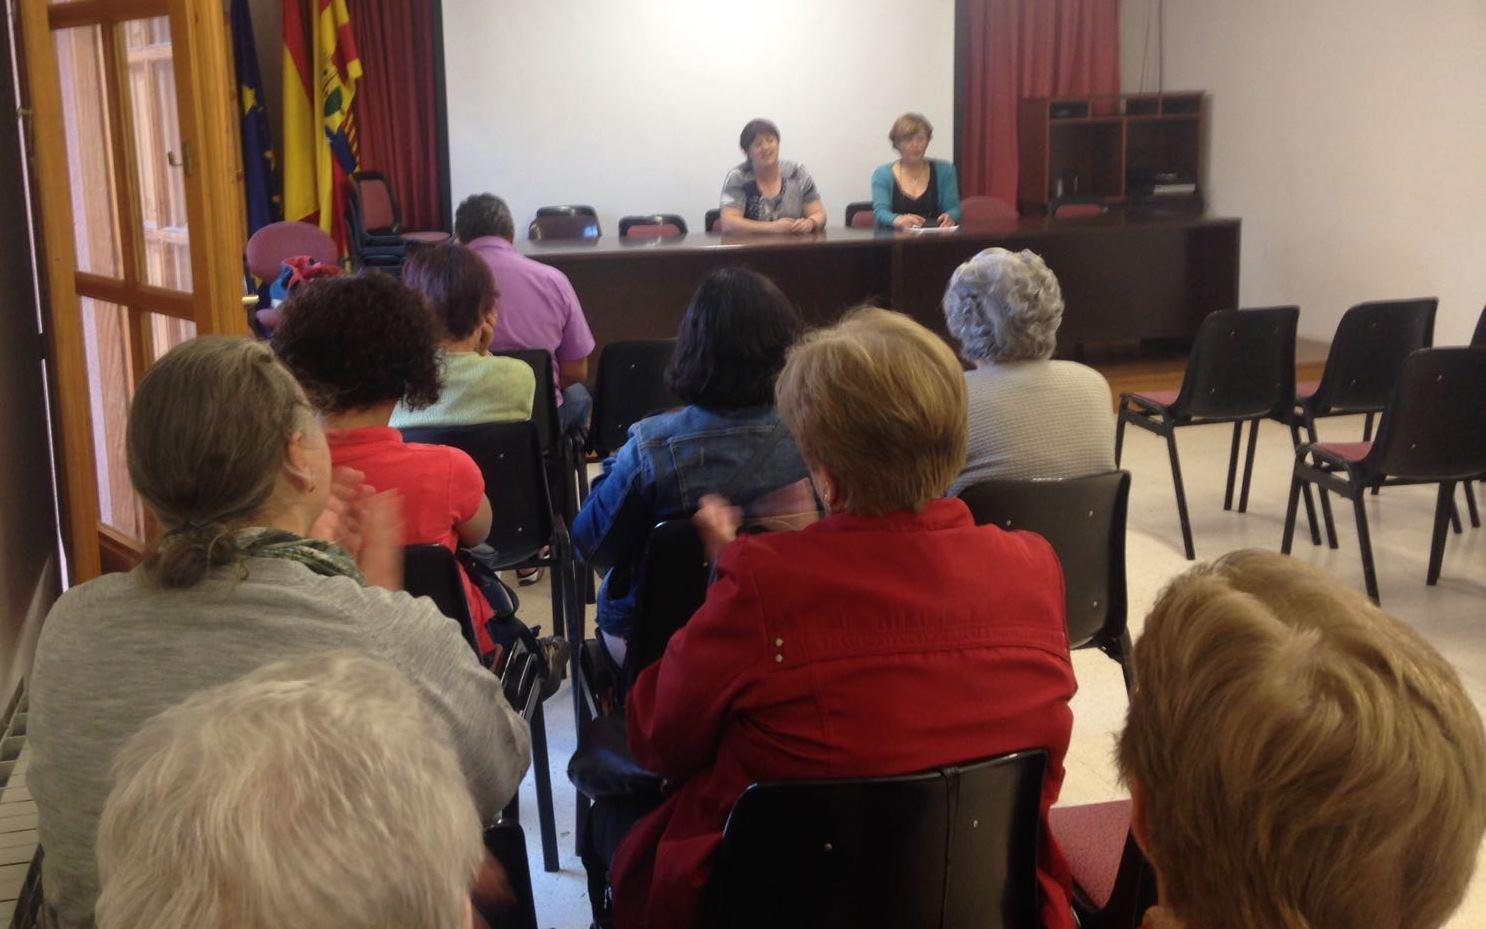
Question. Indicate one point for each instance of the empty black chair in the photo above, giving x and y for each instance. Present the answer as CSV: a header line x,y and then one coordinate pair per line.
x,y
654,225
1371,342
564,222
859,215
431,571
1433,431
1083,518
954,848
713,220
1241,370
1469,487
631,385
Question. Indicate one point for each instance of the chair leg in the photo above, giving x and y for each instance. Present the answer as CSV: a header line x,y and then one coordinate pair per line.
x,y
1181,494
1232,465
1470,503
1305,489
1444,504
1310,427
542,774
1119,435
1125,648
1364,542
1248,466
1297,483
1367,428
1455,516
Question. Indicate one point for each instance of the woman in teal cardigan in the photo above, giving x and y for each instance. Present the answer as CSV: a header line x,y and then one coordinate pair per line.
x,y
915,191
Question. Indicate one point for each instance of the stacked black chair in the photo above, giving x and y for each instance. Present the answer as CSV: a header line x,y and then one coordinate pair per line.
x,y
564,222
1241,370
1372,340
378,239
1083,518
652,225
954,847
1433,431
860,215
630,386
432,571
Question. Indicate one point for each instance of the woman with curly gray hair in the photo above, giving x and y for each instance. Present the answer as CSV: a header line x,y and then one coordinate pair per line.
x,y
1030,416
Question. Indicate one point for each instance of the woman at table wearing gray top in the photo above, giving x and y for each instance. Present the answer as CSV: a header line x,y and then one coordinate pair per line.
x,y
224,449
764,194
1030,417
915,191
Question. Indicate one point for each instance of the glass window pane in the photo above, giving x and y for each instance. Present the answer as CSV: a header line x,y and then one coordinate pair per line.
x,y
167,332
89,155
158,154
110,388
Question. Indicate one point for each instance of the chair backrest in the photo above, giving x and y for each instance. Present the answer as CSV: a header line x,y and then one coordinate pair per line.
x,y
859,215
377,210
1077,207
954,848
713,221
1479,336
987,211
563,227
1435,426
432,571
664,225
544,404
631,385
1372,340
509,457
568,209
270,245
506,843
1083,518
1242,364
673,576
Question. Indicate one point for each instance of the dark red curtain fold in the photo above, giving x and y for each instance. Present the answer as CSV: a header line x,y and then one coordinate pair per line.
x,y
395,105
1017,49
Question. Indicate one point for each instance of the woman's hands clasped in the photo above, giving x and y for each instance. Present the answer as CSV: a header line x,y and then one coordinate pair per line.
x,y
367,524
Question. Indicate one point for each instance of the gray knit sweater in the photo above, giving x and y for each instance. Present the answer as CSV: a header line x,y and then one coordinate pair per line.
x,y
1037,420
115,652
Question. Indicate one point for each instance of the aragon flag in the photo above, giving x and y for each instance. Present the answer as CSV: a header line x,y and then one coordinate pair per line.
x,y
319,127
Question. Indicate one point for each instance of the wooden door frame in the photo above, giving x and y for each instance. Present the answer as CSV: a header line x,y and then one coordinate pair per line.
x,y
207,109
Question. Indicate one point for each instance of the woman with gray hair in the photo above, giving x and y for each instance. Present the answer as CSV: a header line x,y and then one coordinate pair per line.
x,y
1030,416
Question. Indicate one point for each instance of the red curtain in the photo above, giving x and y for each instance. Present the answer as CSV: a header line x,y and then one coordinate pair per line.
x,y
1017,49
395,105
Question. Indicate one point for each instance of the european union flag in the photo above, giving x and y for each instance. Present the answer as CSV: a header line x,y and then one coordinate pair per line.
x,y
257,153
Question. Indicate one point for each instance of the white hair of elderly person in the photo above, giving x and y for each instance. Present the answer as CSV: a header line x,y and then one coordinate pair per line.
x,y
1031,417
316,791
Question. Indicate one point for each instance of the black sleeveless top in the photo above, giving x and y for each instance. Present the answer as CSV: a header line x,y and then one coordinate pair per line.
x,y
925,204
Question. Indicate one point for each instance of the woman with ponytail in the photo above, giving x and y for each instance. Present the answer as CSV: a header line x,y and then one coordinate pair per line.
x,y
263,554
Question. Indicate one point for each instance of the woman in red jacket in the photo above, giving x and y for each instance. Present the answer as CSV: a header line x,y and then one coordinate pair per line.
x,y
891,637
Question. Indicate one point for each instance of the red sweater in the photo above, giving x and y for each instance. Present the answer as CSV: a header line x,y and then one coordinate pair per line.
x,y
858,647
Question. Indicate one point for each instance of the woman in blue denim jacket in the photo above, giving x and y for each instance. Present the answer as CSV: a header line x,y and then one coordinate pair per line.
x,y
727,439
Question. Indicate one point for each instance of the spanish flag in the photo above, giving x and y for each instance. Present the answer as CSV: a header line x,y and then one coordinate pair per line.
x,y
321,68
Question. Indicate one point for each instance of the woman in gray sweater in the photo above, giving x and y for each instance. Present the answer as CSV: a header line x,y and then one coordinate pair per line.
x,y
1031,417
227,454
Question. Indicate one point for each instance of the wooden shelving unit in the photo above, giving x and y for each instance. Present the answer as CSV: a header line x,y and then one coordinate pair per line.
x,y
1113,147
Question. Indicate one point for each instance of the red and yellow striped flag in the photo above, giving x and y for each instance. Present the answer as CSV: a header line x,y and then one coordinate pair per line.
x,y
321,68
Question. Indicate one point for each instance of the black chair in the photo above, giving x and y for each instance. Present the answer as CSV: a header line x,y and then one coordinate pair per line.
x,y
1469,487
1371,342
432,571
859,215
377,237
713,221
564,222
1083,518
654,225
1432,432
1241,370
506,842
566,474
954,848
631,385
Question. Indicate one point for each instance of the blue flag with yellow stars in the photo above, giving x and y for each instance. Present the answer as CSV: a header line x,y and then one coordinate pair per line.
x,y
258,164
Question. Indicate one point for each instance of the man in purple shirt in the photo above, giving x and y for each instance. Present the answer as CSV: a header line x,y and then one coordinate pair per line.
x,y
537,305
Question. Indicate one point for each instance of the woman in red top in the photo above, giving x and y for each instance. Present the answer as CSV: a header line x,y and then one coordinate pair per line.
x,y
359,345
891,637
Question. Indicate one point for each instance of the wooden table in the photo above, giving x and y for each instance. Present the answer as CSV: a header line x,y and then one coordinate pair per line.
x,y
1123,276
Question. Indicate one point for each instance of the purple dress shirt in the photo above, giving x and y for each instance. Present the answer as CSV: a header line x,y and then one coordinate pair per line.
x,y
537,307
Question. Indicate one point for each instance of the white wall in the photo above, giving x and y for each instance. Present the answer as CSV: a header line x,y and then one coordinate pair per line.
x,y
1350,136
635,106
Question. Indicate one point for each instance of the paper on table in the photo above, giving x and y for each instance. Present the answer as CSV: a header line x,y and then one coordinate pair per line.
x,y
934,229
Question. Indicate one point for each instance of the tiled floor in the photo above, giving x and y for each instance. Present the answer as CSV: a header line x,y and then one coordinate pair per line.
x,y
1452,615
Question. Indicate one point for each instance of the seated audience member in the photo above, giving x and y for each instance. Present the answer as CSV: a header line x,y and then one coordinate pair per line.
x,y
478,387
361,345
539,308
764,194
1298,758
815,657
226,452
310,792
1031,417
915,191
728,437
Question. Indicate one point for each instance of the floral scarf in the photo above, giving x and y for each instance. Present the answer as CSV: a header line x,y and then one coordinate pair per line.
x,y
321,557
